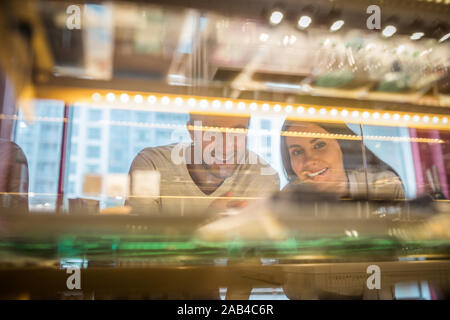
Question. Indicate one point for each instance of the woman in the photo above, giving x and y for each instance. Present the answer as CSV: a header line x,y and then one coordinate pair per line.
x,y
311,155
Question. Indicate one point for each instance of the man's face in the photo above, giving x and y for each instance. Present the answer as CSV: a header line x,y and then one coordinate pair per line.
x,y
222,149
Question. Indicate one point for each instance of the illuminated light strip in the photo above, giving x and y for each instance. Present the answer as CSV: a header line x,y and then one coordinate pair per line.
x,y
235,107
238,130
43,119
30,194
358,138
403,139
320,135
218,129
284,133
340,114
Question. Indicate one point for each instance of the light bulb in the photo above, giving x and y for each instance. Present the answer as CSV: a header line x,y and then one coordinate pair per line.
x,y
110,97
389,31
138,98
337,25
304,22
276,17
124,98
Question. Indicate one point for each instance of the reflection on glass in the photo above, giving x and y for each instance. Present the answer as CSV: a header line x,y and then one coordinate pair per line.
x,y
41,143
343,166
13,176
201,176
185,123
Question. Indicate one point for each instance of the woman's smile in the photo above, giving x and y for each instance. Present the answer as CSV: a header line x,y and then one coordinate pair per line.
x,y
317,173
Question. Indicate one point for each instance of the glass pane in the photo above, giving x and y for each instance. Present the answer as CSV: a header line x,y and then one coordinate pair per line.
x,y
40,140
431,153
328,157
298,136
106,141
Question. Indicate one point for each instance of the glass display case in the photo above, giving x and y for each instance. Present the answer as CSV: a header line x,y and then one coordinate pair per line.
x,y
247,150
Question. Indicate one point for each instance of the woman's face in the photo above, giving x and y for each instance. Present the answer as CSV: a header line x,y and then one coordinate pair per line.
x,y
317,160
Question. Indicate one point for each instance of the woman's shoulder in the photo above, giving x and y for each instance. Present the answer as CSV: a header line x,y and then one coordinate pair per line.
x,y
383,184
374,175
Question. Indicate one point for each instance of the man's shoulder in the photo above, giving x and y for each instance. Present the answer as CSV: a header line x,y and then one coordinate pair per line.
x,y
155,156
158,151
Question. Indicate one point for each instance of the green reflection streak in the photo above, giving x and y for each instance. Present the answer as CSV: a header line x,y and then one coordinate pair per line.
x,y
141,246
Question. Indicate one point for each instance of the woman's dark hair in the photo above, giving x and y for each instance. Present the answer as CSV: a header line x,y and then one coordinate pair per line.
x,y
352,150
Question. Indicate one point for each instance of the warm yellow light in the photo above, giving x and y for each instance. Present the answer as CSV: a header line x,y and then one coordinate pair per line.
x,y
151,99
241,106
165,100
192,102
124,98
178,101
228,105
110,97
203,104
96,97
216,104
138,98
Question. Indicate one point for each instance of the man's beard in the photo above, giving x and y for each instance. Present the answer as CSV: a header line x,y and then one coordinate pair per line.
x,y
222,172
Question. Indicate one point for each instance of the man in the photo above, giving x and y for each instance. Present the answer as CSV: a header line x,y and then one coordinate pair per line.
x,y
214,172
13,176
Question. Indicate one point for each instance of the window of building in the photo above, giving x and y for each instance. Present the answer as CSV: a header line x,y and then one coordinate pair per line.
x,y
41,144
93,152
94,133
94,115
92,168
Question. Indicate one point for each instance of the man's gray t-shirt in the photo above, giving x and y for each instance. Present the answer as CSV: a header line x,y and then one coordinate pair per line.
x,y
180,196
